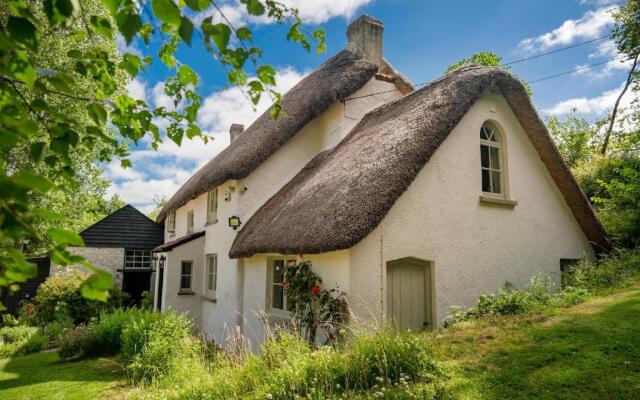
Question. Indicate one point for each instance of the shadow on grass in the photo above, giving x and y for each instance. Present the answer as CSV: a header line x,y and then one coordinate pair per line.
x,y
590,356
46,367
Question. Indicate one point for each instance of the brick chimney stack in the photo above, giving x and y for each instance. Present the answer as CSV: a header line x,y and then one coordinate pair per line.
x,y
235,131
366,33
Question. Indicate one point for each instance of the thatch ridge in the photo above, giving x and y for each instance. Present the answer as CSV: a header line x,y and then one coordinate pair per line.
x,y
336,79
341,195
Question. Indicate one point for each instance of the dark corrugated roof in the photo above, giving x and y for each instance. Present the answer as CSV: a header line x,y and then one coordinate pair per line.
x,y
126,227
178,242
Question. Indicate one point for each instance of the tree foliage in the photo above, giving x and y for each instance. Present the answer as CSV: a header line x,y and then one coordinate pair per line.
x,y
574,137
70,101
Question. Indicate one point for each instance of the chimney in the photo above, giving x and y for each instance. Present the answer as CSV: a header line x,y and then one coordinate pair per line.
x,y
235,131
366,33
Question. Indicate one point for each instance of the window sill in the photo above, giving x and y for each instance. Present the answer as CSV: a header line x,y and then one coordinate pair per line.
x,y
497,201
211,299
186,293
215,221
172,234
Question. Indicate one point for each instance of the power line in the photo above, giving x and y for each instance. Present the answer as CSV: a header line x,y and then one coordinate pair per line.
x,y
555,51
585,67
576,70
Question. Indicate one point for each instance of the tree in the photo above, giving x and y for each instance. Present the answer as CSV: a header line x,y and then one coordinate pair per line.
x,y
159,202
488,59
55,109
574,138
626,34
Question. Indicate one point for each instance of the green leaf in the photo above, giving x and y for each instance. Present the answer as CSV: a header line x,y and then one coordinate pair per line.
x,y
186,30
74,53
166,11
97,113
125,163
37,150
48,214
22,31
186,76
219,33
129,23
102,26
32,181
131,63
254,7
97,286
65,237
62,82
112,6
267,74
198,5
20,67
244,33
58,11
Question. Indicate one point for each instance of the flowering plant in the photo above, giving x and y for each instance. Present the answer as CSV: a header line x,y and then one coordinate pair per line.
x,y
312,307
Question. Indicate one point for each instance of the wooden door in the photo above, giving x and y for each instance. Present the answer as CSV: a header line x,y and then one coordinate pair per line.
x,y
409,294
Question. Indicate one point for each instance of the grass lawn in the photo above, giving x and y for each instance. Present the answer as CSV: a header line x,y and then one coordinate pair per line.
x,y
44,376
589,351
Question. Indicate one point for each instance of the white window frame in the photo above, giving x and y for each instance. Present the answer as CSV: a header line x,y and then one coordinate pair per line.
x,y
211,278
135,259
171,222
190,221
212,206
502,168
271,264
190,275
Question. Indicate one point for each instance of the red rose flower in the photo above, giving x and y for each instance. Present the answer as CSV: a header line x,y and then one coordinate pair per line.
x,y
315,290
285,282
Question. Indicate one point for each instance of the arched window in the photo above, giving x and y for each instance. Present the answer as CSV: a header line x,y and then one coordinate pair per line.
x,y
491,160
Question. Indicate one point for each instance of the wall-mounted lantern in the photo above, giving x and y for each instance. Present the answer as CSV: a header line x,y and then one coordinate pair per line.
x,y
234,222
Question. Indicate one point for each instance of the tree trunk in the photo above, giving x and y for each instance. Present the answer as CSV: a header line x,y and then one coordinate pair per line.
x,y
607,136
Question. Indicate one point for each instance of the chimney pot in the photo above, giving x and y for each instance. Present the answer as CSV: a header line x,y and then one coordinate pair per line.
x,y
235,130
366,33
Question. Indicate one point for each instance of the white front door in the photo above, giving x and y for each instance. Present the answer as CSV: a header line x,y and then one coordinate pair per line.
x,y
409,294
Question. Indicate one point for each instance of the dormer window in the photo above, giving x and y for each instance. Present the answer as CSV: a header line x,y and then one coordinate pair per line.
x,y
190,222
212,206
491,160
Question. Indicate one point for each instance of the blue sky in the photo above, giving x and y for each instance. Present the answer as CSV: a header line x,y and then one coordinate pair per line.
x,y
421,38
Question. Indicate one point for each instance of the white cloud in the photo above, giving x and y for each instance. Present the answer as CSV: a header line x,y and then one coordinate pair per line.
x,y
591,25
123,47
162,172
137,89
312,12
594,106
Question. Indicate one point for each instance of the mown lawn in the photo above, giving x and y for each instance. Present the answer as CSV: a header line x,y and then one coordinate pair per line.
x,y
44,376
590,351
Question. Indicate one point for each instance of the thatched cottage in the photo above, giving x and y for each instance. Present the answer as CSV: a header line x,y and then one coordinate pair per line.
x,y
411,201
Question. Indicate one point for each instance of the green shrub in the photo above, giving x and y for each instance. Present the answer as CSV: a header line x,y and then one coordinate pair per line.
x,y
16,334
54,330
35,344
146,303
136,332
9,320
20,339
61,295
73,344
167,341
610,271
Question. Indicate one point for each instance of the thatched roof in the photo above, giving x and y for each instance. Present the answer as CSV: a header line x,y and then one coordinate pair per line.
x,y
341,195
336,79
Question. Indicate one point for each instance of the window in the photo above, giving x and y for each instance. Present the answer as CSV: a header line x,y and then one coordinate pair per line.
x,y
190,222
212,205
278,300
212,275
491,160
137,259
186,272
171,222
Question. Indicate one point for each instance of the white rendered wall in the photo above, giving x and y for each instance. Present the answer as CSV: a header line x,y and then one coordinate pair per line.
x,y
230,308
474,248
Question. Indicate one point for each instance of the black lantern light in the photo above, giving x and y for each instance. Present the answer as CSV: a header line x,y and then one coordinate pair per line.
x,y
234,222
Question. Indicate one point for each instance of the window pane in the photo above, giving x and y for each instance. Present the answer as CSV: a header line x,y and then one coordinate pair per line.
x,y
277,300
278,271
186,268
496,182
483,133
486,185
484,156
185,282
495,157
